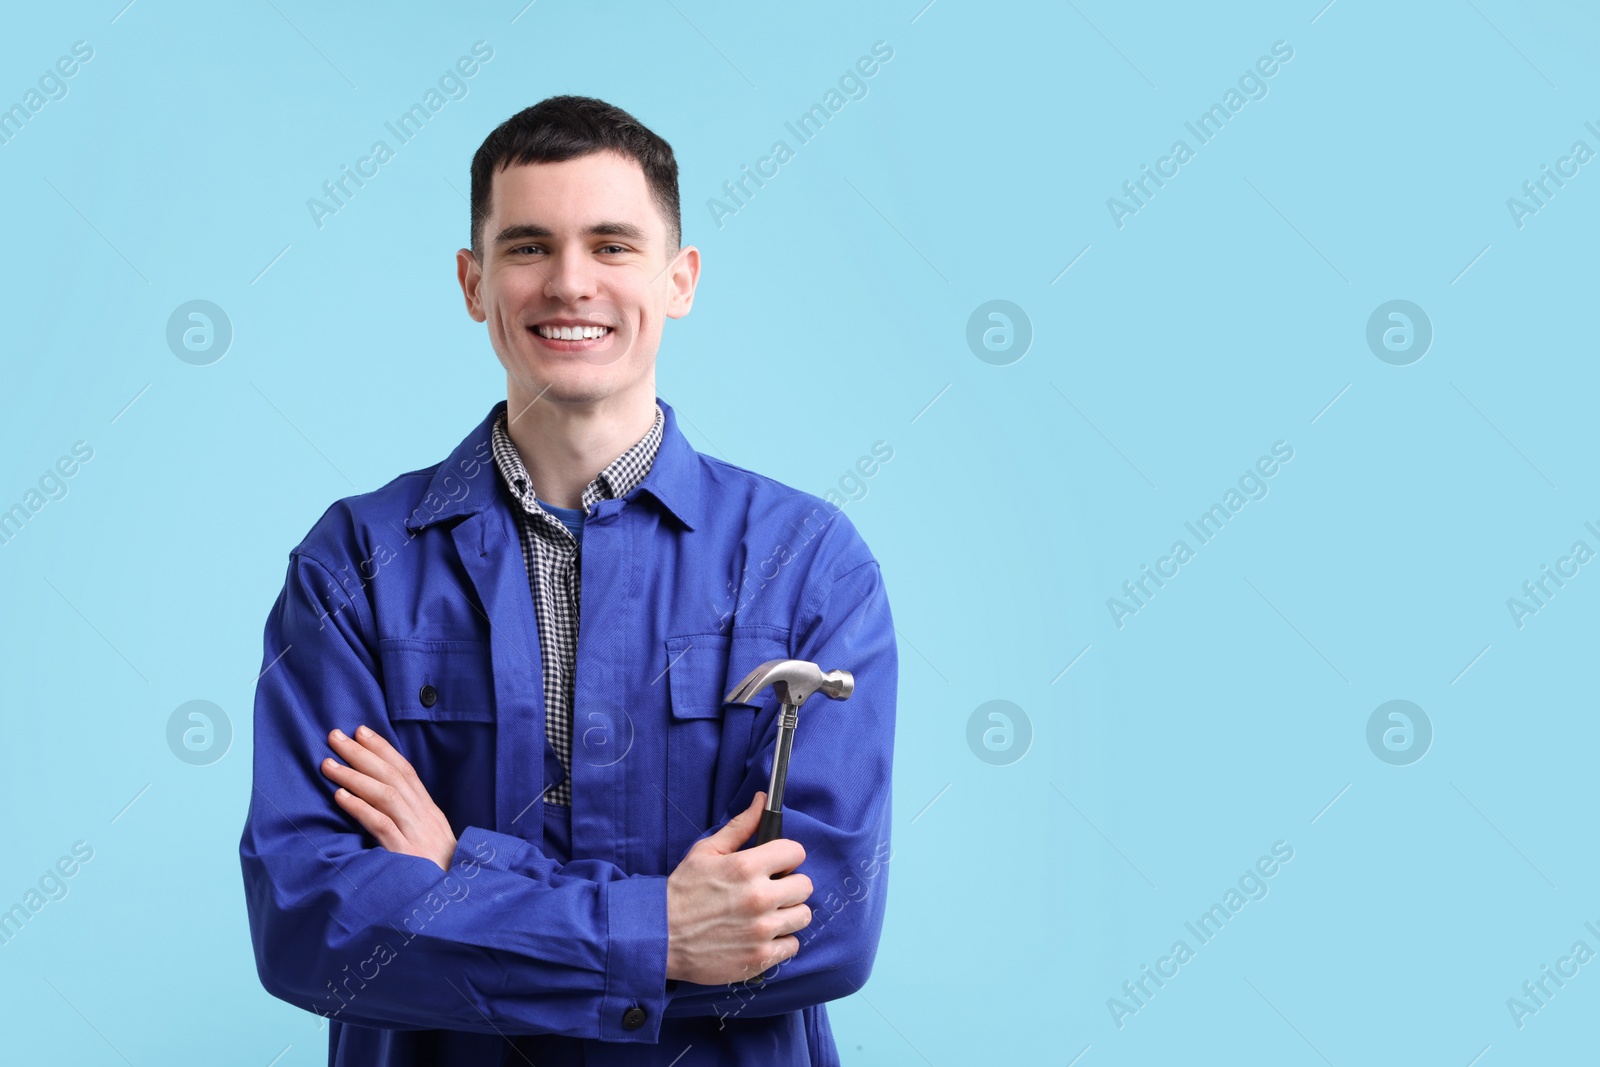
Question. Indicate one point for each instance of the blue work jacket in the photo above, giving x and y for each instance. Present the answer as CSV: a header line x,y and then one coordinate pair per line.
x,y
408,609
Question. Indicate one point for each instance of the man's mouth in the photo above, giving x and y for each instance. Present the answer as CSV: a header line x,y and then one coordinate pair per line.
x,y
573,333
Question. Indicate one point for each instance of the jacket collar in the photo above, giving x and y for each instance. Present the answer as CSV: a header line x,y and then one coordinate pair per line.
x,y
673,479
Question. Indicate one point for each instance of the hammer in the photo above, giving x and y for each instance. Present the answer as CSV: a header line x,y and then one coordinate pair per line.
x,y
792,680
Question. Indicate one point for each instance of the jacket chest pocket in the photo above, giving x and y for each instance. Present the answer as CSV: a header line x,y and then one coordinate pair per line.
x,y
709,740
439,696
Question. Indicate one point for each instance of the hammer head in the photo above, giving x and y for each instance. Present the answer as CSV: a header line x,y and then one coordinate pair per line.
x,y
793,680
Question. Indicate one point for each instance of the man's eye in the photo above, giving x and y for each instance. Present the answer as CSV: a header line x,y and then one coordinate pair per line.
x,y
614,248
525,248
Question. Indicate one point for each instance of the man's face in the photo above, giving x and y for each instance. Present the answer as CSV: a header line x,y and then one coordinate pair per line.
x,y
576,244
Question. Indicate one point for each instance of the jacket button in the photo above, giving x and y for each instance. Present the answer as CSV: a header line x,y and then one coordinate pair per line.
x,y
633,1018
429,696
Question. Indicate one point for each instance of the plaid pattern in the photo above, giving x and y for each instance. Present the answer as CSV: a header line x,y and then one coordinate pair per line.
x,y
551,555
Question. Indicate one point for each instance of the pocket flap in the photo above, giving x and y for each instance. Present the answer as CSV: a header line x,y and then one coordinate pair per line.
x,y
704,668
437,681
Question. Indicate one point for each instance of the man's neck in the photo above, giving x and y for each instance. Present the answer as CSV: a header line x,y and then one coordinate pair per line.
x,y
564,446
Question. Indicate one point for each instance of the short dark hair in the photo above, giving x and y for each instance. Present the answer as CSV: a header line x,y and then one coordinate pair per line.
x,y
566,127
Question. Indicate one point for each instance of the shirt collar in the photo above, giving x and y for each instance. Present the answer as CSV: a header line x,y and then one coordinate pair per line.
x,y
464,483
616,480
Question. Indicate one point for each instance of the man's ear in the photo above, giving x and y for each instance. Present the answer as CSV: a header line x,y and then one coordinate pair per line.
x,y
682,276
469,272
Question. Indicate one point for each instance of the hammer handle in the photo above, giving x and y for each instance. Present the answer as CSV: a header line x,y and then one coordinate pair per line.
x,y
771,827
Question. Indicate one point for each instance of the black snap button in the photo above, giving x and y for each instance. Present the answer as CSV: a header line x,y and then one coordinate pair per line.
x,y
633,1018
429,696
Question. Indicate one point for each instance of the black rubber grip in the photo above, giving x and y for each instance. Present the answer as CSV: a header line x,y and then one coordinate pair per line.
x,y
771,827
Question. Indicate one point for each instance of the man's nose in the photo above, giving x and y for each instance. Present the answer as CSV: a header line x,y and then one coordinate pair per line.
x,y
569,277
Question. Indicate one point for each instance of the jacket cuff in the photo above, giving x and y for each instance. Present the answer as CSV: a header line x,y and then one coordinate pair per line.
x,y
487,848
636,960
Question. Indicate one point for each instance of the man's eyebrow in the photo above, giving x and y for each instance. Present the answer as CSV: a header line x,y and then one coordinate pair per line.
x,y
525,230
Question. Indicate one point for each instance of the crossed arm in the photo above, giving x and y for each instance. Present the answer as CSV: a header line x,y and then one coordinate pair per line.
x,y
587,932
381,791
728,917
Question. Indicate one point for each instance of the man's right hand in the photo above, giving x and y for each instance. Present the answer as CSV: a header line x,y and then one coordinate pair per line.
x,y
728,918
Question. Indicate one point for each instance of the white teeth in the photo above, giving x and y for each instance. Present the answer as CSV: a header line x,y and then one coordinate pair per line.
x,y
572,333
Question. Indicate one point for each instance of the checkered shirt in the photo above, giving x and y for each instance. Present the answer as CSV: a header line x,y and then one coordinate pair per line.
x,y
551,554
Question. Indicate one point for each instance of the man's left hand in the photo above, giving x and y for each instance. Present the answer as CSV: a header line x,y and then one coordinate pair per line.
x,y
382,791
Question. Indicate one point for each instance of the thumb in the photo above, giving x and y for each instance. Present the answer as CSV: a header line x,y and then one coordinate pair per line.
x,y
738,829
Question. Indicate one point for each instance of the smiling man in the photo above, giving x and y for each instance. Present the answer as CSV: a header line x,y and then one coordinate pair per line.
x,y
500,798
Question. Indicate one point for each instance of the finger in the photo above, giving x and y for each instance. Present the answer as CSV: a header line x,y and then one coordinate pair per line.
x,y
366,757
795,918
738,829
405,804
780,856
784,948
380,746
375,794
791,889
375,822
422,807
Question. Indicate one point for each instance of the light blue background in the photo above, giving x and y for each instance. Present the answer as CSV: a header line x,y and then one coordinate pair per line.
x,y
1229,313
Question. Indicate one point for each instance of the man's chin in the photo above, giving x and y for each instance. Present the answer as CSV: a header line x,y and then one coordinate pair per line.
x,y
576,389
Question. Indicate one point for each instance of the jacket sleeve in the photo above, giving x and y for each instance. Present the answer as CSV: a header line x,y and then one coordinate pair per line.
x,y
377,938
835,803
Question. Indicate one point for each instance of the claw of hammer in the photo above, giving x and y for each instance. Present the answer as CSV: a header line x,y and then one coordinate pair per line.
x,y
799,679
793,680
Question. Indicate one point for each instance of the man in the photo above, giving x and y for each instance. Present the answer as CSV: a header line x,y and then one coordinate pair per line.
x,y
482,833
